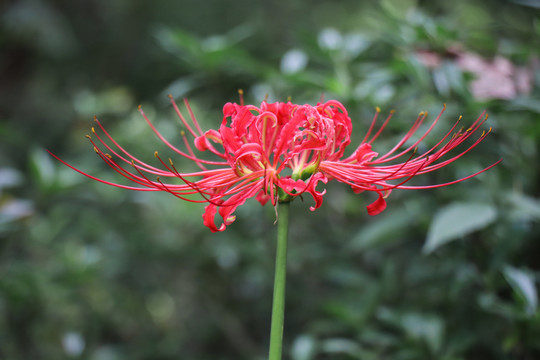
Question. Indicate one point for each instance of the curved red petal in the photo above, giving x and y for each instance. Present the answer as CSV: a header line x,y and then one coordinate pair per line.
x,y
377,207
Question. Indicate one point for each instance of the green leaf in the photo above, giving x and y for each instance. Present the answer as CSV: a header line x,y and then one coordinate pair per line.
x,y
525,103
523,284
523,207
398,8
42,167
340,346
387,229
428,328
9,177
457,220
303,348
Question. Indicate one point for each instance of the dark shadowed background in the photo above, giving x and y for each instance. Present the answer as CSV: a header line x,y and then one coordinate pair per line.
x,y
94,272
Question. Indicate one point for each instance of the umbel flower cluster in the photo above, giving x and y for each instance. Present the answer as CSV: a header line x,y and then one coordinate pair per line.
x,y
279,151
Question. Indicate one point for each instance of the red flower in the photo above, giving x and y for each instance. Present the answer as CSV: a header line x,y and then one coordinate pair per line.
x,y
279,151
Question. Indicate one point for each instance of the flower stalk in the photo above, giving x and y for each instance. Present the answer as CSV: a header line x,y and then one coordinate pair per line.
x,y
278,302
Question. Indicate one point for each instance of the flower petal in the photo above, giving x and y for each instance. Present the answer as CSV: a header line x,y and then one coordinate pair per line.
x,y
377,206
317,196
201,142
208,218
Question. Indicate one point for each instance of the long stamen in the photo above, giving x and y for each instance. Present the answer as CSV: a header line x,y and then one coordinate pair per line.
x,y
451,182
181,117
241,96
175,149
147,167
377,112
382,126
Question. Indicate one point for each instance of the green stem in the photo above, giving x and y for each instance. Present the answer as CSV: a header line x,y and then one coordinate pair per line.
x,y
278,304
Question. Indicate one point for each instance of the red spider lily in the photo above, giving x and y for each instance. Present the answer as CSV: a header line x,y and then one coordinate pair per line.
x,y
279,151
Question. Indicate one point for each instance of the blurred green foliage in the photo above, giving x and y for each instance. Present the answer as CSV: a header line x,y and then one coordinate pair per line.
x,y
93,272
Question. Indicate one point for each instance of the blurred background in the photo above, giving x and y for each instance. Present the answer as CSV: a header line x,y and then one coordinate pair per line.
x,y
93,272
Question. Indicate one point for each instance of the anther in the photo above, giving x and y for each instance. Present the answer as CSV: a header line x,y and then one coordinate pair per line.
x,y
88,137
182,133
96,150
93,130
156,154
170,96
139,107
377,109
